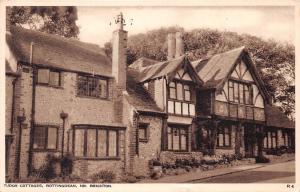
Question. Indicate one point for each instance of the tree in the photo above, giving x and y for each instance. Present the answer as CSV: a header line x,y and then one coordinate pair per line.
x,y
53,20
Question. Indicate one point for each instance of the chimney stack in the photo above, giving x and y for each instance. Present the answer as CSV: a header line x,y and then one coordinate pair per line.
x,y
119,46
179,45
171,45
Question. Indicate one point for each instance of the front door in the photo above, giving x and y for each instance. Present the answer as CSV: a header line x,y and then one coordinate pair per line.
x,y
250,140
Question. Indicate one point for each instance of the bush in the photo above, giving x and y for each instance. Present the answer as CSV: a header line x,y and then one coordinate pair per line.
x,y
104,175
262,159
154,162
47,170
66,164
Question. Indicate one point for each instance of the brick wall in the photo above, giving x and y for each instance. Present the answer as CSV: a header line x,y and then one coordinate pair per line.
x,y
150,149
50,102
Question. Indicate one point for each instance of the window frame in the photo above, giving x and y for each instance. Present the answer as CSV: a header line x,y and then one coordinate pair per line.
x,y
46,132
179,127
237,98
184,100
87,88
97,128
50,70
144,126
271,138
221,130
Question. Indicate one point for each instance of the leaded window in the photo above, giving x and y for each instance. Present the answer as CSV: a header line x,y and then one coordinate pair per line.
x,y
91,86
45,137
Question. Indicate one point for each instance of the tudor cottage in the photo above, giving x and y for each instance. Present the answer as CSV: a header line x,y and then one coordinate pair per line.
x,y
64,96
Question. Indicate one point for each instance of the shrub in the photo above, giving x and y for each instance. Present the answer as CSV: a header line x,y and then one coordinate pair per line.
x,y
66,164
104,175
47,170
154,162
261,159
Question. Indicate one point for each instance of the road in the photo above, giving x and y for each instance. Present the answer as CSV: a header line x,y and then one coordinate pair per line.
x,y
274,173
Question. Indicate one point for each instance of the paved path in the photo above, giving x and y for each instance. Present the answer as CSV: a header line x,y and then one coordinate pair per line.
x,y
272,173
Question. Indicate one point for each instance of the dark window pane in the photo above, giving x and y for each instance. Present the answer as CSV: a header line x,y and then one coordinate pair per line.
x,y
52,138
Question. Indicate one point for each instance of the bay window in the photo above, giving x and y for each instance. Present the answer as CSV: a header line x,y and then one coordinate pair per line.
x,y
95,142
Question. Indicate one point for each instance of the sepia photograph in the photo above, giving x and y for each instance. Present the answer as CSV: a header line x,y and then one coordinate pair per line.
x,y
149,94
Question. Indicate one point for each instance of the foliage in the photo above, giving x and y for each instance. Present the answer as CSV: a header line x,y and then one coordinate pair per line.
x,y
104,175
53,20
262,159
66,164
274,61
47,170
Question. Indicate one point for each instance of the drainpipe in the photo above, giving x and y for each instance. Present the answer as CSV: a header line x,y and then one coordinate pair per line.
x,y
32,124
20,118
13,105
63,116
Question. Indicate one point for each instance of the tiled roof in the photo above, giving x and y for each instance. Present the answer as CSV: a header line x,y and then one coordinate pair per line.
x,y
139,97
157,70
59,52
276,118
213,70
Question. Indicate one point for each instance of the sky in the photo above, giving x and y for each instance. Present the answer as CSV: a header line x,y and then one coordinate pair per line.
x,y
266,22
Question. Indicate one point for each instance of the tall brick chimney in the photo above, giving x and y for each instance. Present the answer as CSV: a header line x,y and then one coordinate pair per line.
x,y
119,45
179,45
171,45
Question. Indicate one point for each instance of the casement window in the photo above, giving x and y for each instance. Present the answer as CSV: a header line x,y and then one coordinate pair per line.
x,y
143,132
286,138
49,77
240,92
95,142
270,140
92,86
177,137
45,137
179,101
224,136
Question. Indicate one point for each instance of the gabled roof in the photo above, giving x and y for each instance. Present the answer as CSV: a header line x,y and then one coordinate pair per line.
x,y
162,69
276,118
212,71
55,51
138,96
